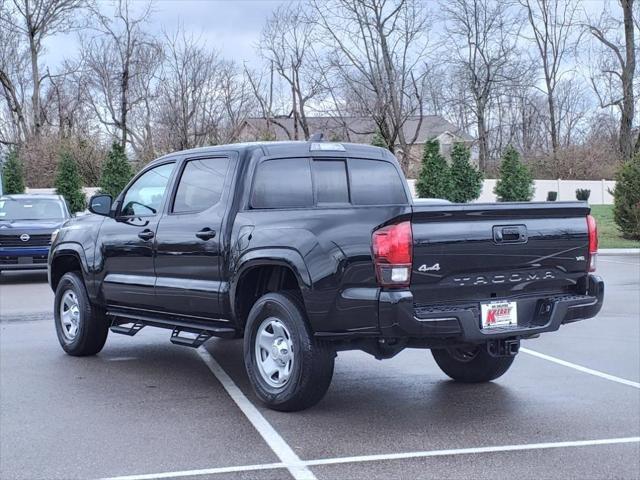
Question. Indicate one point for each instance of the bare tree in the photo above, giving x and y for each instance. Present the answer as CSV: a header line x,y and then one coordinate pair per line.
x,y
262,87
551,23
235,102
37,20
483,40
13,85
377,52
613,81
120,61
285,43
187,92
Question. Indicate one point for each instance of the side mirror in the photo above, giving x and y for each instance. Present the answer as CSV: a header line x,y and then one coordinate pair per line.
x,y
101,205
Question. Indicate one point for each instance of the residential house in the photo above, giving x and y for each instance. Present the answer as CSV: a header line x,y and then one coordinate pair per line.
x,y
361,130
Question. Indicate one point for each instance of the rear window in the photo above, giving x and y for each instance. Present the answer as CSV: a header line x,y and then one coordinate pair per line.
x,y
330,180
375,182
283,183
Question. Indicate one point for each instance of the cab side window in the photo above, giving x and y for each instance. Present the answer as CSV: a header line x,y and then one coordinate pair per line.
x,y
374,182
144,197
200,185
283,183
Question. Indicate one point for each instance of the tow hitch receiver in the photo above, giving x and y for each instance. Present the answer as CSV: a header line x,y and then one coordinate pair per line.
x,y
503,348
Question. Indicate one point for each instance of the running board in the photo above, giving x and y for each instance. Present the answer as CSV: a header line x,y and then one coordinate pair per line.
x,y
128,323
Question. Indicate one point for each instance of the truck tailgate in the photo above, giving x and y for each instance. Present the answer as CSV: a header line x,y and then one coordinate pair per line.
x,y
483,251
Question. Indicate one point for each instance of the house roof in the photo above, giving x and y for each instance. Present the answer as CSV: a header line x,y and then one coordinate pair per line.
x,y
352,128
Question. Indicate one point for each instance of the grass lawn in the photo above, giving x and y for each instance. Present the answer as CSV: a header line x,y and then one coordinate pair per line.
x,y
608,234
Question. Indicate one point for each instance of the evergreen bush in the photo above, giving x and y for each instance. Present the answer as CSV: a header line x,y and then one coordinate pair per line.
x,y
583,194
434,180
466,179
378,140
116,171
68,182
515,183
626,196
12,174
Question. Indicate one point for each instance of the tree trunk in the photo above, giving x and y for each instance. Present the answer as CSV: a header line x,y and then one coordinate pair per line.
x,y
295,108
554,127
627,114
35,73
483,144
124,91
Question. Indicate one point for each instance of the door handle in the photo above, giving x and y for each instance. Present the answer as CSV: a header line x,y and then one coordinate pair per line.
x,y
146,234
206,234
510,234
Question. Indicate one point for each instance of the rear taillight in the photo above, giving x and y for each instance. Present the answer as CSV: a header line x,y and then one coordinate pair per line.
x,y
593,242
393,254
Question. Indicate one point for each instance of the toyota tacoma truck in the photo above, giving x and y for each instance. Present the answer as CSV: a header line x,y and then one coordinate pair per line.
x,y
306,249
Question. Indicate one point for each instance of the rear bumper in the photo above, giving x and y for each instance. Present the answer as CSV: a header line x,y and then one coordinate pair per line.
x,y
400,318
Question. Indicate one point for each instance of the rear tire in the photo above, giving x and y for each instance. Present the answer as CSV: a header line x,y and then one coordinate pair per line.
x,y
288,368
471,364
81,327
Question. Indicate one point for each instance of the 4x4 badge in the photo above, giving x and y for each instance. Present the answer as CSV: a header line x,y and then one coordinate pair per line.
x,y
432,268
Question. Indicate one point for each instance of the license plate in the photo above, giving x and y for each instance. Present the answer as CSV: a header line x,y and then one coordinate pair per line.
x,y
499,314
25,260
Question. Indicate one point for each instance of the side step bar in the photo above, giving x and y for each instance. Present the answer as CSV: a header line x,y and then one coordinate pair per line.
x,y
126,323
129,329
193,341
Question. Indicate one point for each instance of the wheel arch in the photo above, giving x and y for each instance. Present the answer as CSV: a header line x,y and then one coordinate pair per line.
x,y
67,257
266,271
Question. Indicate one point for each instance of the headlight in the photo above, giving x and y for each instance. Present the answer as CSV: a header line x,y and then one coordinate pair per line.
x,y
54,234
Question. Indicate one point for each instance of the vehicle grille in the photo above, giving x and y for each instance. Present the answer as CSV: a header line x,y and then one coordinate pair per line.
x,y
39,240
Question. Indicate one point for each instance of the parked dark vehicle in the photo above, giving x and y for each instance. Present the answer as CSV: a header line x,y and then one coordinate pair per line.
x,y
26,225
308,249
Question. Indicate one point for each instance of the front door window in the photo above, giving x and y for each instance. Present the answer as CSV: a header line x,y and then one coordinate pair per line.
x,y
144,197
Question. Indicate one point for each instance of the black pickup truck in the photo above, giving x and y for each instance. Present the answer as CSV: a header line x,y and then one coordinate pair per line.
x,y
306,249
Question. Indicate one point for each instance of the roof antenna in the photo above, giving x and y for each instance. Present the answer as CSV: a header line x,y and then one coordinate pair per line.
x,y
317,137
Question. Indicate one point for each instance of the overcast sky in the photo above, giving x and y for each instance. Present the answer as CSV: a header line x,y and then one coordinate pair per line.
x,y
230,26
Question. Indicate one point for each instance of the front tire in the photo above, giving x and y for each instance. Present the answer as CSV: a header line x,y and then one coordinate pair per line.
x,y
81,327
288,368
471,364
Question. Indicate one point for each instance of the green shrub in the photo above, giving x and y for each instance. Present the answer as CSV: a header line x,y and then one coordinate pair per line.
x,y
68,182
515,183
466,179
12,174
583,194
626,196
552,196
434,180
378,140
116,171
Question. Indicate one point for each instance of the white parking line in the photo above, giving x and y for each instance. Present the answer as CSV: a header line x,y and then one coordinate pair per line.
x,y
285,453
580,368
202,471
467,451
389,456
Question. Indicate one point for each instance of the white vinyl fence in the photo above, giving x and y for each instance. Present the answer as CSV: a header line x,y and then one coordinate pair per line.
x,y
88,191
566,190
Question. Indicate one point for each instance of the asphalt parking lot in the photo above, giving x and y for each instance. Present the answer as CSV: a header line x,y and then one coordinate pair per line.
x,y
145,409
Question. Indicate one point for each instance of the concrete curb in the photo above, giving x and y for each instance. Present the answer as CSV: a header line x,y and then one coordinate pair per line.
x,y
619,251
